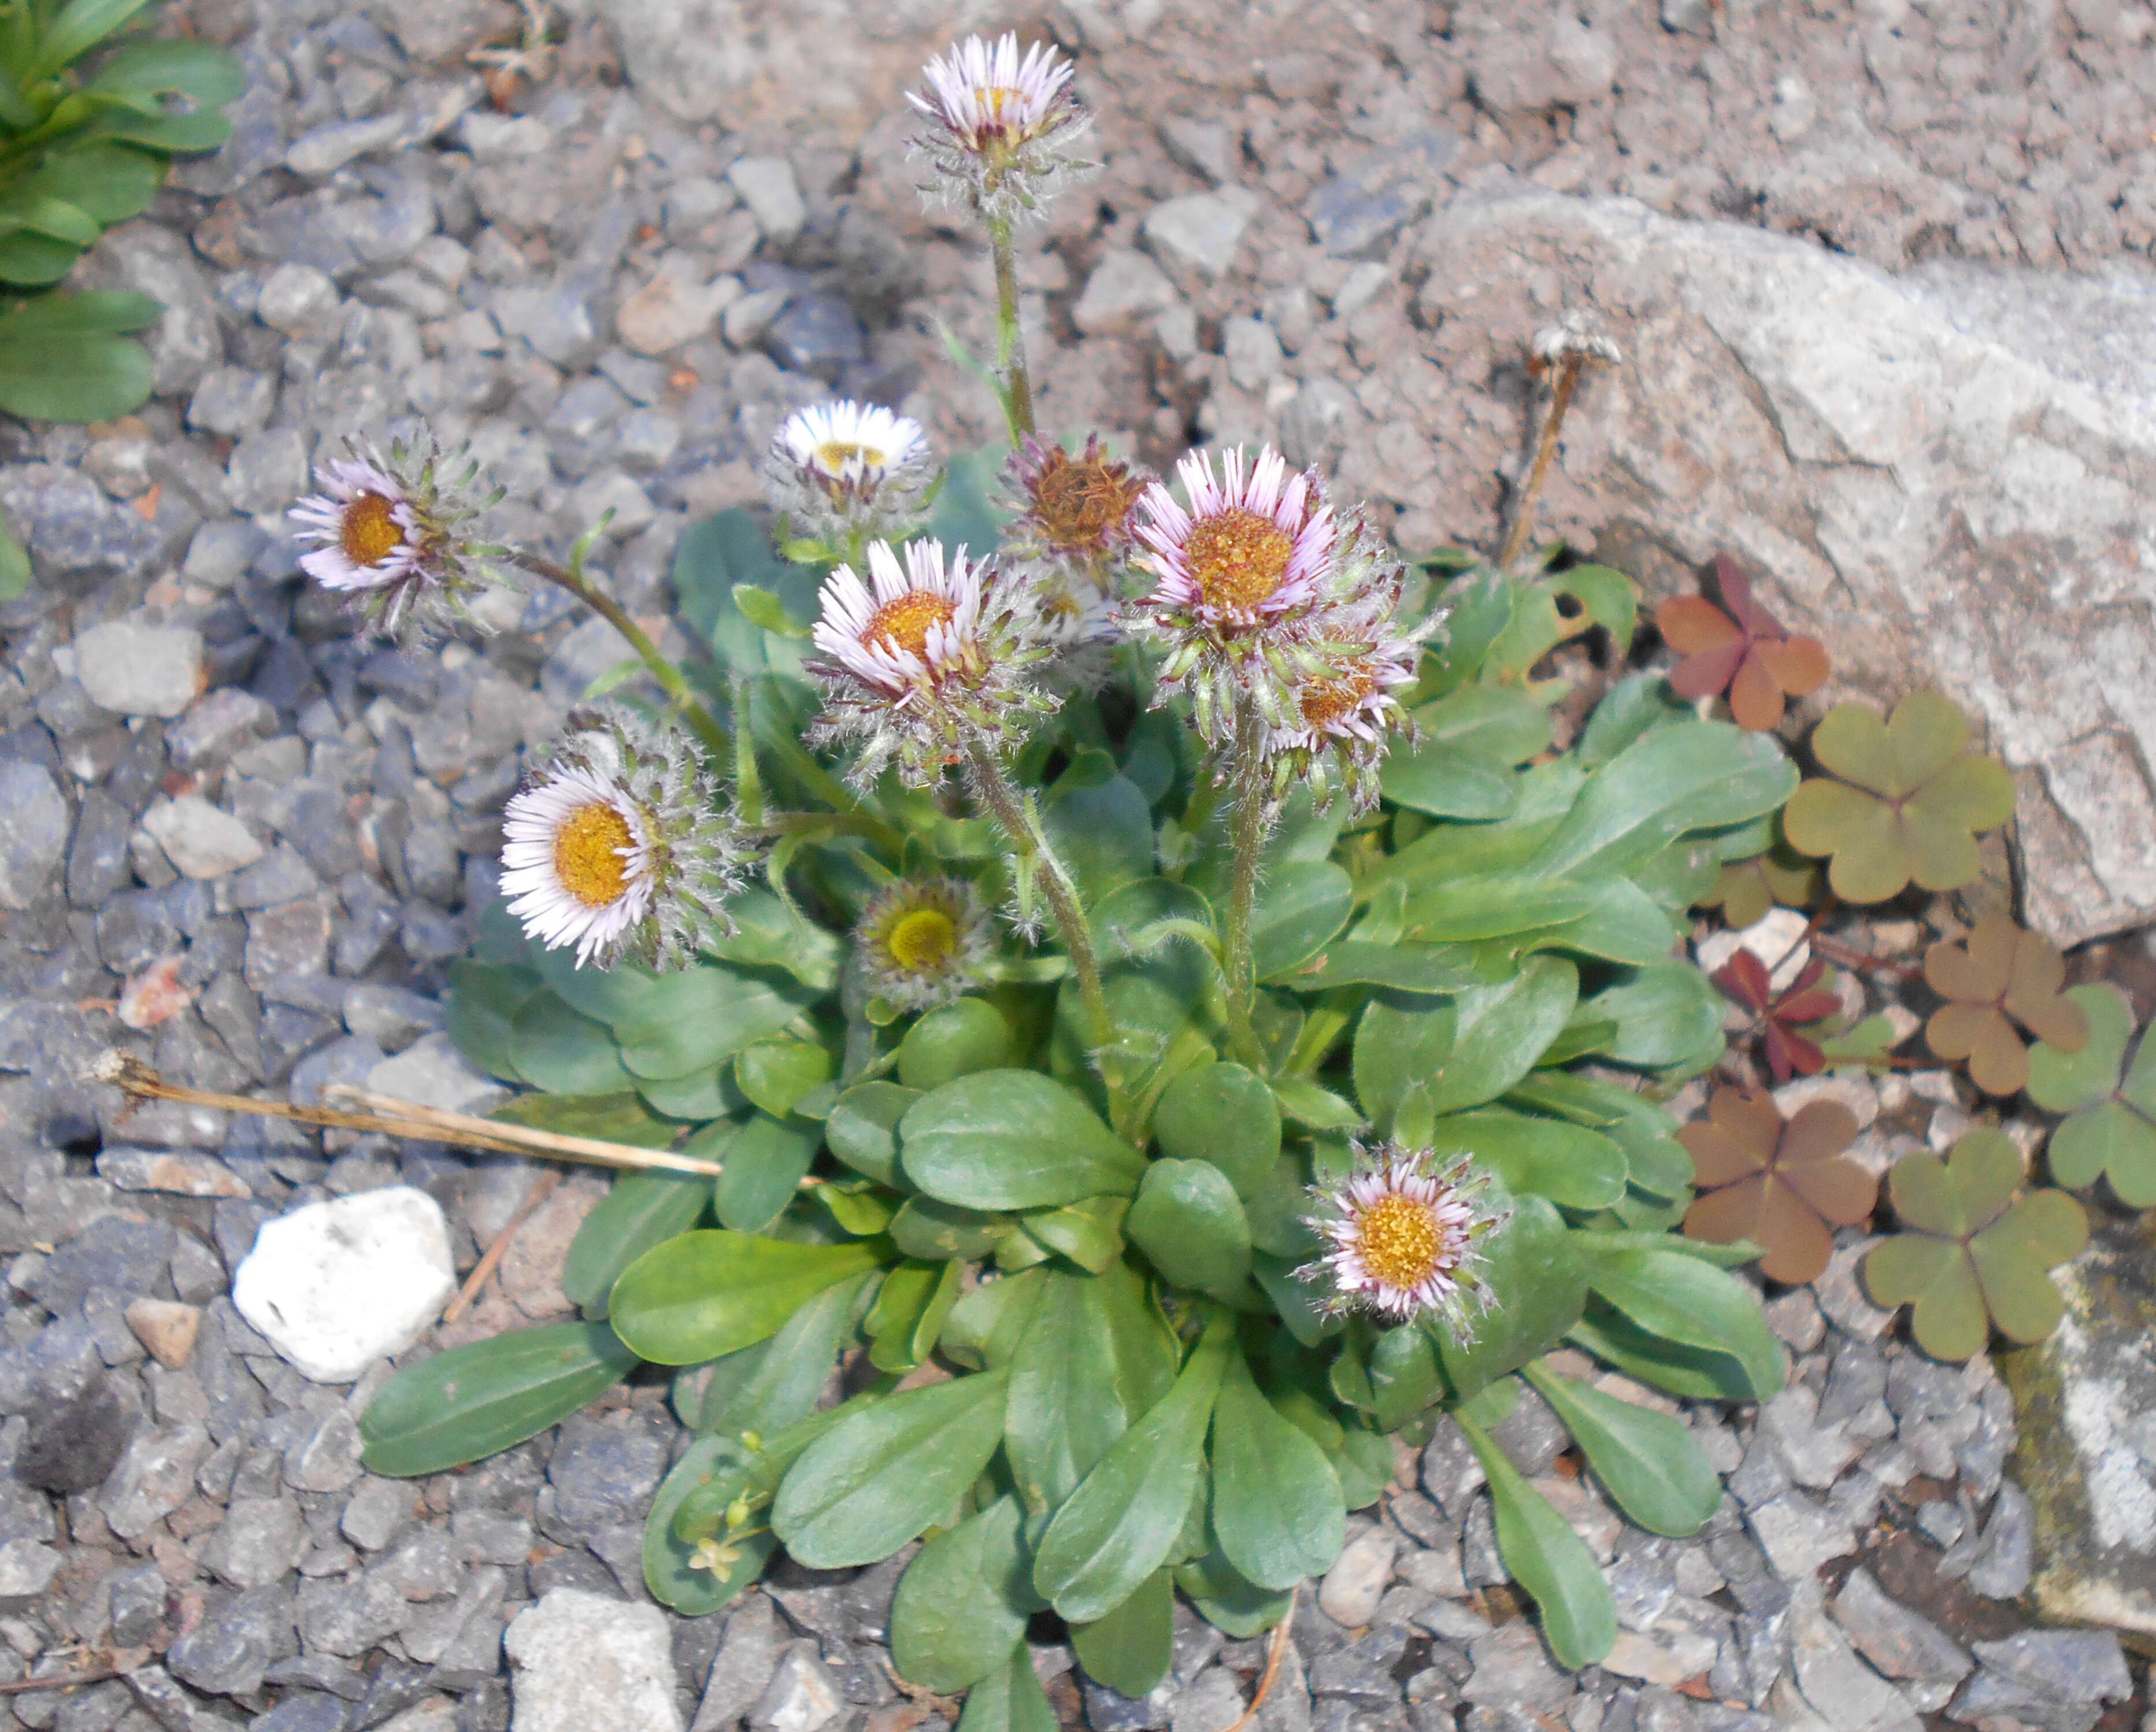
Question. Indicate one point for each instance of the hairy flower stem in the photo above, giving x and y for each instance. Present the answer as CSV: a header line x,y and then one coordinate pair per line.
x,y
1568,369
1247,831
706,726
1013,810
1010,340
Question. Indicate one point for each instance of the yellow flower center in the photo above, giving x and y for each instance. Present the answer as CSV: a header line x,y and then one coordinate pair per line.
x,y
1325,701
1238,557
906,622
834,455
369,531
1400,1241
925,939
588,856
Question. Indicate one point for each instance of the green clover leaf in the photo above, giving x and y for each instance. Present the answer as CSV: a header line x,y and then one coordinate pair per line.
x,y
1974,1256
1908,802
2111,1132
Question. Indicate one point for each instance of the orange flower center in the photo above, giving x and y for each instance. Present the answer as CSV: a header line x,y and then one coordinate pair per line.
x,y
1237,558
369,531
1400,1241
1325,701
924,939
588,858
1079,505
906,623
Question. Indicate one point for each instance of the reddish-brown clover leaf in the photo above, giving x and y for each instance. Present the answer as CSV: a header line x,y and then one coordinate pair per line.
x,y
1745,651
1904,799
1749,888
1975,1255
1778,1016
1999,976
1778,1183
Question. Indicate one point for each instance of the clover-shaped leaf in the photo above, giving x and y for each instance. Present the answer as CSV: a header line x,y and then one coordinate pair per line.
x,y
1975,1255
1777,1016
1777,1183
1745,651
1749,888
2112,1130
1905,800
2000,975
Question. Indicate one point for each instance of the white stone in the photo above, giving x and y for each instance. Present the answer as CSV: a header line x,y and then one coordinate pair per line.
x,y
335,1286
672,308
1667,1657
1202,230
581,1661
769,188
1126,287
137,669
1356,1582
27,1569
801,1696
431,1072
1776,937
202,840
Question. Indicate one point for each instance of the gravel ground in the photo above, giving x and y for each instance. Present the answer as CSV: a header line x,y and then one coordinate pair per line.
x,y
245,845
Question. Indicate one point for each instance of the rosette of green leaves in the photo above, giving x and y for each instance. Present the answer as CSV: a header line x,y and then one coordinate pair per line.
x,y
1143,1399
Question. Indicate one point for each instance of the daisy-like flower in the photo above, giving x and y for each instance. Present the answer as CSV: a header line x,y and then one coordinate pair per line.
x,y
1237,576
397,534
616,845
1075,508
848,468
923,941
920,659
1000,127
1343,720
1405,1233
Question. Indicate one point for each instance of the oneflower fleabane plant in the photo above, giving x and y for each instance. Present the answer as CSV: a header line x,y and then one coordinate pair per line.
x,y
1345,718
617,845
398,533
1406,1230
841,471
1070,545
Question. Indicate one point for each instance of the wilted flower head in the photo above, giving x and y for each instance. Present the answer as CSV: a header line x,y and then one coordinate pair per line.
x,y
1000,127
923,941
1344,719
399,535
1078,508
1404,1232
615,846
921,658
1237,576
848,468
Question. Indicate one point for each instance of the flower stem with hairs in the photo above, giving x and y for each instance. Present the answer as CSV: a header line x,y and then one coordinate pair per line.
x,y
1013,810
1246,832
1010,340
708,727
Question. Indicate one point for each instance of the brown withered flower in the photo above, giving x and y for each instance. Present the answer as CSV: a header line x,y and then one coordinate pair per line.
x,y
1070,507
